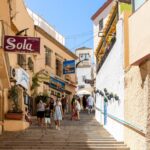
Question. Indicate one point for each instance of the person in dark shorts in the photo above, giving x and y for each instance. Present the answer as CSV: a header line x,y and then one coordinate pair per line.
x,y
40,113
47,116
84,102
51,106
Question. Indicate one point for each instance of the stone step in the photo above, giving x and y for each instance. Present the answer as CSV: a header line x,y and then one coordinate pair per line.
x,y
60,148
61,142
86,134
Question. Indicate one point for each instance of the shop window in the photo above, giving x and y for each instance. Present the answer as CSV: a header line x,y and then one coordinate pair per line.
x,y
21,60
48,57
58,68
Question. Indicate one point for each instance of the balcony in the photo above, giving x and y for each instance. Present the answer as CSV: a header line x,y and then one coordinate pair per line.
x,y
139,35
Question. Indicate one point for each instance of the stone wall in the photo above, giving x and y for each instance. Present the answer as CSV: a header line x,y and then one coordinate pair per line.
x,y
136,105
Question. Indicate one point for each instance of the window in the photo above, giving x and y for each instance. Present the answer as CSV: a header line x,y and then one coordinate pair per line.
x,y
137,4
21,60
87,56
100,24
83,78
84,56
48,53
58,68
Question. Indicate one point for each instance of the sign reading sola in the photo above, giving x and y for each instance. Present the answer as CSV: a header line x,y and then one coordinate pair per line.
x,y
22,44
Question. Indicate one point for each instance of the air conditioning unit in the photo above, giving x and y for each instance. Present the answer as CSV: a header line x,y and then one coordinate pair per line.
x,y
12,73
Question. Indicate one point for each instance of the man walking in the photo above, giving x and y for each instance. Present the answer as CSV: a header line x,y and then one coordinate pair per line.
x,y
90,102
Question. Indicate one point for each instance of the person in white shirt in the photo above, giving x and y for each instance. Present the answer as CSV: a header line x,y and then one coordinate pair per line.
x,y
90,102
77,109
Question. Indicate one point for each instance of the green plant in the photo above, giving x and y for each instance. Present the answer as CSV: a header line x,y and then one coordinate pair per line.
x,y
105,90
116,97
35,83
13,96
105,99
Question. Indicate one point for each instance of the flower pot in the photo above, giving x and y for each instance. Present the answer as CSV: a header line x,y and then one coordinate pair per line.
x,y
14,116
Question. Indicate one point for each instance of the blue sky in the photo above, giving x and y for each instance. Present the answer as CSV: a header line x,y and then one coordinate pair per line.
x,y
71,18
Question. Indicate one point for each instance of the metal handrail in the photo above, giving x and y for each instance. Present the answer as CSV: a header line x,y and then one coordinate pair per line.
x,y
125,123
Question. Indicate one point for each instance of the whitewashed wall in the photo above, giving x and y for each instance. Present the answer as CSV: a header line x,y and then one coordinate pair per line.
x,y
111,76
80,73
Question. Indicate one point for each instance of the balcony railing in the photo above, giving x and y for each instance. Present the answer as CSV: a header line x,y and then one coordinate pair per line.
x,y
108,40
108,49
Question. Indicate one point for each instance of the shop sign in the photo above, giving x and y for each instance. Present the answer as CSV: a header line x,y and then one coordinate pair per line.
x,y
69,67
22,44
57,84
22,78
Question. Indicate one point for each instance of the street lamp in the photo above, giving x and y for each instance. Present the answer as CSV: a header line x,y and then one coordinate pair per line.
x,y
80,62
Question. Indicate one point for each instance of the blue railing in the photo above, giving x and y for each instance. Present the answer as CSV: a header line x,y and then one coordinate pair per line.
x,y
125,123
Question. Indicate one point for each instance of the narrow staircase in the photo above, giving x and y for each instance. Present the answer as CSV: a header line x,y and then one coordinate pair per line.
x,y
85,134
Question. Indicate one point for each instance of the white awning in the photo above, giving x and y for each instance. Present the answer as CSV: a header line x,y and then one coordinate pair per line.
x,y
83,92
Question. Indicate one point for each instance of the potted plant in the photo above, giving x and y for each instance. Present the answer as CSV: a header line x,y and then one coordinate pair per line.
x,y
15,113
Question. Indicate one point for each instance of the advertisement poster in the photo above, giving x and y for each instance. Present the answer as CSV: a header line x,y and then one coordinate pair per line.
x,y
57,84
69,67
22,78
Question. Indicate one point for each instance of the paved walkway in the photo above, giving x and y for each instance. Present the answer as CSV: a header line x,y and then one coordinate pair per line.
x,y
74,135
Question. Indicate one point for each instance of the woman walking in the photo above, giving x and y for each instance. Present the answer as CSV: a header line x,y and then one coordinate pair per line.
x,y
58,114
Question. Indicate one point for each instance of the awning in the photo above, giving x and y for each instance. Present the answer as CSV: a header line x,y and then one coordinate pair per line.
x,y
83,92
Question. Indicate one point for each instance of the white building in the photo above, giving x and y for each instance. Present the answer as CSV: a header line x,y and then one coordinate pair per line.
x,y
46,27
84,70
109,47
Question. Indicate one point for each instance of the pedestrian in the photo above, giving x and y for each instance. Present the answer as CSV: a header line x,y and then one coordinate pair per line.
x,y
40,113
77,109
64,104
58,114
47,116
90,101
51,106
84,102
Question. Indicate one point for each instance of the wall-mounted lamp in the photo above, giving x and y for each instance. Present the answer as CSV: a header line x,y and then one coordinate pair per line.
x,y
24,30
80,62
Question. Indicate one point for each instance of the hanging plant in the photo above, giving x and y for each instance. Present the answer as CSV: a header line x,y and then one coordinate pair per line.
x,y
108,96
35,82
105,99
116,97
105,90
101,93
111,95
97,91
